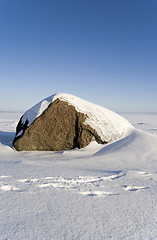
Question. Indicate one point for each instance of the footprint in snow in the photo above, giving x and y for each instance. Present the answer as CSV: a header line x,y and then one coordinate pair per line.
x,y
84,185
7,187
3,176
28,181
97,193
143,174
134,188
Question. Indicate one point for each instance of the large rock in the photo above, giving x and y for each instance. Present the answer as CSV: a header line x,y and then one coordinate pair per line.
x,y
63,122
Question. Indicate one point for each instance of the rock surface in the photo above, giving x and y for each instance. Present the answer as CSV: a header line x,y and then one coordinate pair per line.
x,y
63,122
60,127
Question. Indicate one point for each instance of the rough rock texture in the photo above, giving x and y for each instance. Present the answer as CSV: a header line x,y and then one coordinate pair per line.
x,y
59,127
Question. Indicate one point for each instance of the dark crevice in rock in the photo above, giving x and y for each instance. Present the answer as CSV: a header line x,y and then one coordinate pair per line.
x,y
21,126
75,141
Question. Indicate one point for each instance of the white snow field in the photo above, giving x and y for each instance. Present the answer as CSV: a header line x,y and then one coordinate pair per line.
x,y
96,193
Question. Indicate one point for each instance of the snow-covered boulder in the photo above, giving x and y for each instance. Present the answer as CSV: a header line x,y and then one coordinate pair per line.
x,y
63,121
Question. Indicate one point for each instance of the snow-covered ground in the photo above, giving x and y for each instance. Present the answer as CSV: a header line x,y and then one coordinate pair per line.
x,y
96,193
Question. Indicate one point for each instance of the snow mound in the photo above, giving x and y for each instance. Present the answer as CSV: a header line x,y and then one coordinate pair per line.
x,y
109,125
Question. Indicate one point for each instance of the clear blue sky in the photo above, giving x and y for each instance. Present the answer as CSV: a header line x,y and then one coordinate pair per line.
x,y
104,51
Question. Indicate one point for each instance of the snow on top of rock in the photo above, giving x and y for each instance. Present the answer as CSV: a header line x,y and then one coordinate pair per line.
x,y
109,125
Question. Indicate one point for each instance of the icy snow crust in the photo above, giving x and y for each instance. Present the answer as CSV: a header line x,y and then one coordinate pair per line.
x,y
109,125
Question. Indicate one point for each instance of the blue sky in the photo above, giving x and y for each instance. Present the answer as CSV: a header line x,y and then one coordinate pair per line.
x,y
104,51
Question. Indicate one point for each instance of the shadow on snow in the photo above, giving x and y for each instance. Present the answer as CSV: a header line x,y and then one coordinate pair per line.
x,y
6,138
